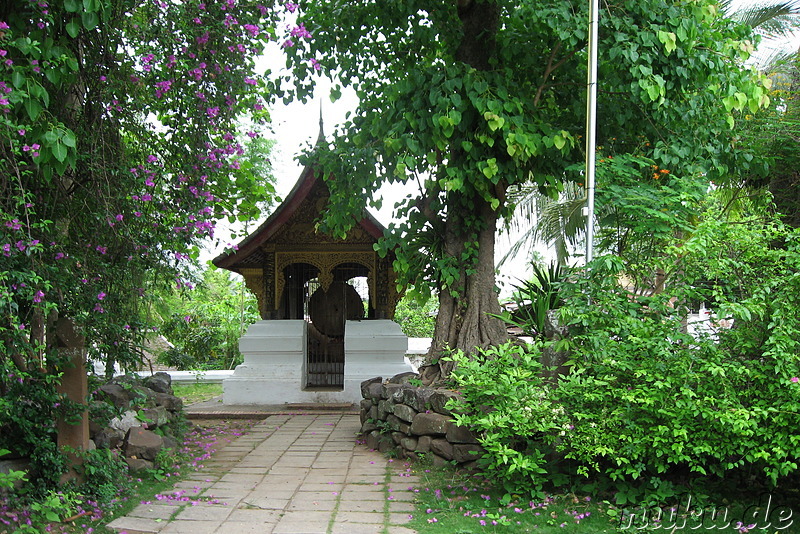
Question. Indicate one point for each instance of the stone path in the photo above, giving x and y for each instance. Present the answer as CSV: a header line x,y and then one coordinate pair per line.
x,y
290,474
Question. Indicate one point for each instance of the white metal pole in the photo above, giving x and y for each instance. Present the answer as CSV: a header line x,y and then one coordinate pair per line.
x,y
591,126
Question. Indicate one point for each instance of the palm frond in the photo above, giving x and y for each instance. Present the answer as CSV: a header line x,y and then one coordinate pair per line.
x,y
769,19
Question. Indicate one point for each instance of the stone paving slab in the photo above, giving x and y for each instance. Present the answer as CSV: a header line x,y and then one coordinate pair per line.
x,y
291,474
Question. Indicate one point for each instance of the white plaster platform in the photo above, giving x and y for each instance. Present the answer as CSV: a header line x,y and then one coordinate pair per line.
x,y
273,371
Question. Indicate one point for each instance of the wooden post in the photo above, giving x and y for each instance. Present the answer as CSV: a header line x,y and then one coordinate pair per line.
x,y
74,385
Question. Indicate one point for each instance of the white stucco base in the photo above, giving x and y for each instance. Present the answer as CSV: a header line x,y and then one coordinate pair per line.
x,y
273,371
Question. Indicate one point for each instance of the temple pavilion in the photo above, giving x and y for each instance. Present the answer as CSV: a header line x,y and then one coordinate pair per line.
x,y
326,306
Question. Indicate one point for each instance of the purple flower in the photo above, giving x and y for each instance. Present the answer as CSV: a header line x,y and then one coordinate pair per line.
x,y
38,296
163,87
291,7
794,380
101,296
288,43
301,32
3,26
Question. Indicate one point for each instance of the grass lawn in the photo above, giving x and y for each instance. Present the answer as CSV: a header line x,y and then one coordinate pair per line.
x,y
456,503
449,502
196,391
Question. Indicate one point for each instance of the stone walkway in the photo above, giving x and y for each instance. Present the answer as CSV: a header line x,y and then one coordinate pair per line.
x,y
290,474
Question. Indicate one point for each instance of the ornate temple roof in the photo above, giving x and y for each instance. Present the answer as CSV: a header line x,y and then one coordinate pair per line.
x,y
292,224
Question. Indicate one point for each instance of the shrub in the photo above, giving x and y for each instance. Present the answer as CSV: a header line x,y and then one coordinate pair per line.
x,y
533,298
648,410
416,319
507,401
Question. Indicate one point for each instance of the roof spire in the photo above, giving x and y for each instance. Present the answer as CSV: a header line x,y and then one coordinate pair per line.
x,y
321,136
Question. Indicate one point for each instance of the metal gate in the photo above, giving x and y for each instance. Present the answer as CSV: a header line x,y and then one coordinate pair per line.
x,y
324,360
326,313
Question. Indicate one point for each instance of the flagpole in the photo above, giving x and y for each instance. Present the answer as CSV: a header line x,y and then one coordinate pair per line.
x,y
591,126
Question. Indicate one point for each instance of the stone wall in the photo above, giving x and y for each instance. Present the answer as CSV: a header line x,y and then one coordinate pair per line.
x,y
414,421
148,411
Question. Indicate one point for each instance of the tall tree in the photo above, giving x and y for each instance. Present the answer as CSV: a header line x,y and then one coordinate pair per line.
x,y
471,99
117,154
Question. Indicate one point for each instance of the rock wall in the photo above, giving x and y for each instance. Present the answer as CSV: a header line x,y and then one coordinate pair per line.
x,y
414,421
147,411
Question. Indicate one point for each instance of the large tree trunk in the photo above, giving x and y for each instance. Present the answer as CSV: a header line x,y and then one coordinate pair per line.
x,y
468,307
467,310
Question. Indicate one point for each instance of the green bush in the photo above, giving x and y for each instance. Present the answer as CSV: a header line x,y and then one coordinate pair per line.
x,y
416,319
104,472
648,411
507,401
205,325
7,480
533,298
30,405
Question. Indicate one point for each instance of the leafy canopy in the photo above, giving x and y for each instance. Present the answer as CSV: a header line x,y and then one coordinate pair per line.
x,y
118,151
467,125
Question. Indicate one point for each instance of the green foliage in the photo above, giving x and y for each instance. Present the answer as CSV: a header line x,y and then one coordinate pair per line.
x,y
510,405
533,298
107,196
647,407
29,409
416,319
7,480
468,132
53,507
206,324
104,470
118,152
